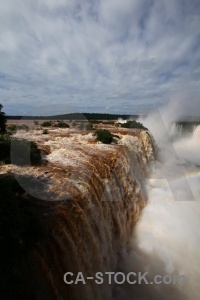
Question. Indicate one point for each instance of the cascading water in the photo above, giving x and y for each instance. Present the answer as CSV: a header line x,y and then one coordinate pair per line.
x,y
166,238
98,219
178,129
96,196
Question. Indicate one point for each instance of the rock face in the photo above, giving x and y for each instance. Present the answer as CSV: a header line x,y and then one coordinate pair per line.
x,y
93,197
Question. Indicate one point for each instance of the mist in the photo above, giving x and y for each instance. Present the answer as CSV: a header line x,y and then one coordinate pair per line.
x,y
166,239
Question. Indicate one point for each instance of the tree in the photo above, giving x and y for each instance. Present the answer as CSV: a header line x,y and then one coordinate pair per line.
x,y
2,120
62,124
46,124
104,136
133,124
23,151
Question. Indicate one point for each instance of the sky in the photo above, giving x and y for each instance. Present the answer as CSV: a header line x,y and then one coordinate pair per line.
x,y
109,56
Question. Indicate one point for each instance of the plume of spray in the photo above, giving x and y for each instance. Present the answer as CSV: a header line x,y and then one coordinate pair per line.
x,y
121,121
166,239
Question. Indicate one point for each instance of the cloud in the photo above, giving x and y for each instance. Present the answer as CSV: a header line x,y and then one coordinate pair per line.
x,y
98,53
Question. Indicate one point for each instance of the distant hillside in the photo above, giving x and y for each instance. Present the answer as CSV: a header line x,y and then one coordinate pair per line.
x,y
74,116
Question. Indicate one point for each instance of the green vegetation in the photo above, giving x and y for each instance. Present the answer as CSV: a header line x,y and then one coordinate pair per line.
x,y
133,124
75,117
5,147
17,151
104,136
2,121
62,124
22,151
59,124
46,124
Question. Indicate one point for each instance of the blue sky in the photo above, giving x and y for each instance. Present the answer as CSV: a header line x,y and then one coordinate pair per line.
x,y
114,56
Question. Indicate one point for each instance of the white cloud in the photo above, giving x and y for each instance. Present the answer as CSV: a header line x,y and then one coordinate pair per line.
x,y
96,54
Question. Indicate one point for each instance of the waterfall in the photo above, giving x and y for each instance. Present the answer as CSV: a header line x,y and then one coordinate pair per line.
x,y
178,129
99,196
165,240
196,131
